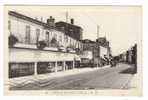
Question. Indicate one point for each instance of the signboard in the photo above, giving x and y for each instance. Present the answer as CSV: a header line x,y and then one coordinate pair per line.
x,y
87,54
103,51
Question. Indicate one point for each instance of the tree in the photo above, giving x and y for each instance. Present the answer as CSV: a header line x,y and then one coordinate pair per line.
x,y
41,44
54,42
12,40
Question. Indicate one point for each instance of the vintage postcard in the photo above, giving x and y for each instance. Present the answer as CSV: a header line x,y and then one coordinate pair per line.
x,y
73,50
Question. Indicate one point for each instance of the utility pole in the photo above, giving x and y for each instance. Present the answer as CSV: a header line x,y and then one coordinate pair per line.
x,y
66,16
98,31
98,47
66,27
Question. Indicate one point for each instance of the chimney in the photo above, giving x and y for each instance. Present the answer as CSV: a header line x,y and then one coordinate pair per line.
x,y
72,21
51,21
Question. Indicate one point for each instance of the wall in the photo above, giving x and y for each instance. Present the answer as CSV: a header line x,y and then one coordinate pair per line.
x,y
87,54
18,28
31,55
103,51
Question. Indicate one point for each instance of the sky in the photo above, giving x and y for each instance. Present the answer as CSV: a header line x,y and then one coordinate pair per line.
x,y
121,25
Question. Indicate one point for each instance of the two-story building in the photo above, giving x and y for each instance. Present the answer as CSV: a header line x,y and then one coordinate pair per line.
x,y
37,47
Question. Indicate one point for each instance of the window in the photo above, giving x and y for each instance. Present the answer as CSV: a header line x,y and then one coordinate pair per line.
x,y
9,25
76,45
71,31
45,67
60,38
70,41
47,38
66,38
37,35
55,36
20,69
27,39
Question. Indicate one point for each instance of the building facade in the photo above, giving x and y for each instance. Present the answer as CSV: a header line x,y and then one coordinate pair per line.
x,y
100,51
89,54
36,47
70,29
104,47
129,56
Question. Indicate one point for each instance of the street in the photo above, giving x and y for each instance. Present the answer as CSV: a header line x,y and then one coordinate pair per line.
x,y
108,78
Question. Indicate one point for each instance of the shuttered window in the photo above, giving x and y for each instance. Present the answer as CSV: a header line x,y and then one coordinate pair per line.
x,y
27,38
37,35
9,25
47,38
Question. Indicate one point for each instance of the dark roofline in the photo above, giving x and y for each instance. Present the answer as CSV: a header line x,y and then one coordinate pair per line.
x,y
68,24
21,16
89,41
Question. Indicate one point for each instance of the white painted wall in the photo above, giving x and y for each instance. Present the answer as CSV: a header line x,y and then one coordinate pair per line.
x,y
87,54
18,28
103,51
28,55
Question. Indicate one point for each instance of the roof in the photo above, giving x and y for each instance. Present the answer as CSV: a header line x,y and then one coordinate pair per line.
x,y
88,41
61,22
24,17
21,16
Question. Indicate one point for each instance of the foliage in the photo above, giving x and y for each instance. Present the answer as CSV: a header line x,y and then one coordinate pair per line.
x,y
41,44
12,40
54,42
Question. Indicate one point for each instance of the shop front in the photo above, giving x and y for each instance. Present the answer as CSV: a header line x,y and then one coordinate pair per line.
x,y
24,62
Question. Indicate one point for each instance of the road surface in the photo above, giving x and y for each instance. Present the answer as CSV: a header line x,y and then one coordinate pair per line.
x,y
108,78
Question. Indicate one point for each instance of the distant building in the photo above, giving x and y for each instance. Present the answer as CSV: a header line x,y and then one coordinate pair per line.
x,y
70,29
103,46
100,50
36,47
129,56
90,53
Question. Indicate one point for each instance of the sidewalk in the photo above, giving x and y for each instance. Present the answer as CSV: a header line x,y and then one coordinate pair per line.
x,y
43,77
133,82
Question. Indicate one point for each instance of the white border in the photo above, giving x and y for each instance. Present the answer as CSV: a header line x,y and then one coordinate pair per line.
x,y
75,2
81,2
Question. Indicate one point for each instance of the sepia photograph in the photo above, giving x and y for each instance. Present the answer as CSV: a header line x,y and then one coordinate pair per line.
x,y
72,50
